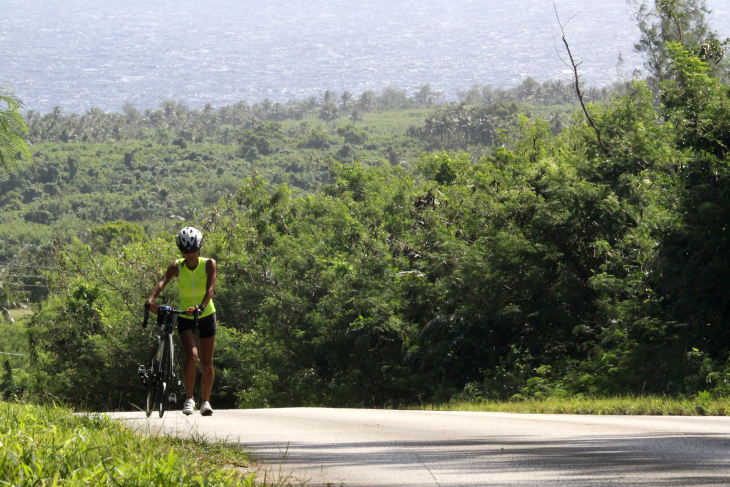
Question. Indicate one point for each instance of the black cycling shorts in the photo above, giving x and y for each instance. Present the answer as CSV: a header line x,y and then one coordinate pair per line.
x,y
207,326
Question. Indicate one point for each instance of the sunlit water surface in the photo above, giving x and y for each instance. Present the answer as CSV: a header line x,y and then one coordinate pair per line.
x,y
85,53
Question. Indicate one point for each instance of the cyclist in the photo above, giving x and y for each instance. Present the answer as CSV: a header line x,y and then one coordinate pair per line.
x,y
196,280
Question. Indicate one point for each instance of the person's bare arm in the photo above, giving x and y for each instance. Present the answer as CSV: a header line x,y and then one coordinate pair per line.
x,y
211,271
172,271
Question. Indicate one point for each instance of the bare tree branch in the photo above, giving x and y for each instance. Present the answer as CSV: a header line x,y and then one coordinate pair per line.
x,y
108,282
576,78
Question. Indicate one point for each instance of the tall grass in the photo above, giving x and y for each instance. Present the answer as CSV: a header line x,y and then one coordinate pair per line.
x,y
50,446
702,405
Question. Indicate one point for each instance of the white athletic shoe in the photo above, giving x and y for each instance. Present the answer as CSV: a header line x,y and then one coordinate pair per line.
x,y
205,409
189,407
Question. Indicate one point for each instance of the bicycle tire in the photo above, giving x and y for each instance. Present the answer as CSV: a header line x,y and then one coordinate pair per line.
x,y
165,379
152,377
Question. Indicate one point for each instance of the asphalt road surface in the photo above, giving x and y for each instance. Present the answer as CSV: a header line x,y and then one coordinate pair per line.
x,y
354,447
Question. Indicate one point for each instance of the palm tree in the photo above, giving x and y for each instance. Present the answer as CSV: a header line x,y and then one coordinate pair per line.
x,y
429,126
529,91
355,116
278,112
366,101
328,97
130,111
345,100
311,104
266,107
329,113
147,117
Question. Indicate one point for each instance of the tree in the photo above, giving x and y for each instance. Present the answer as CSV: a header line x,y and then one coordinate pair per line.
x,y
683,21
130,111
578,85
366,101
530,91
163,195
329,97
115,235
329,113
345,100
695,262
356,116
11,125
425,96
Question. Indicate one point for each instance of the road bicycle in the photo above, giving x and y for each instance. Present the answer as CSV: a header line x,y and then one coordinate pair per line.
x,y
160,377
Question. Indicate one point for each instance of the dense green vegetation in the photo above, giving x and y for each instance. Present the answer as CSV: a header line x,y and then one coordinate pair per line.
x,y
48,445
487,249
140,186
157,168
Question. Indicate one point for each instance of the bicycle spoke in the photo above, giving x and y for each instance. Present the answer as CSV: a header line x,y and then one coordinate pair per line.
x,y
165,374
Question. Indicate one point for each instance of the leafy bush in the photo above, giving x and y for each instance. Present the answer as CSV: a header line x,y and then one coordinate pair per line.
x,y
180,142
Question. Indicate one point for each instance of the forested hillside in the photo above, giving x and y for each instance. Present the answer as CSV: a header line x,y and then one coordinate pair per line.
x,y
157,168
492,248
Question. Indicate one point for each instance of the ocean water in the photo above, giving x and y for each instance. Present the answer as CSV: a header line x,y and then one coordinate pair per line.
x,y
99,53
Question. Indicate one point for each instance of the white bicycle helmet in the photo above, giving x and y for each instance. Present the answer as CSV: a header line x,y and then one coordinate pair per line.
x,y
189,239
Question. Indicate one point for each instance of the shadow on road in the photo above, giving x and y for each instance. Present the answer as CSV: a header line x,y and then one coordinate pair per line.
x,y
686,460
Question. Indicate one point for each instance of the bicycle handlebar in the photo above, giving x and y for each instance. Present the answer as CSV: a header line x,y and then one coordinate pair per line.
x,y
169,310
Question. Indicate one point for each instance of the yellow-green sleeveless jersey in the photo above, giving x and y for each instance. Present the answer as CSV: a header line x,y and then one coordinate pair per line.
x,y
193,283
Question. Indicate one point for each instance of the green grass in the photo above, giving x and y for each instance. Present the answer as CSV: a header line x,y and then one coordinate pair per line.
x,y
385,122
50,446
392,122
703,405
20,314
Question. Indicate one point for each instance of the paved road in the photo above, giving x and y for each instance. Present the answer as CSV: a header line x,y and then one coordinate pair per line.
x,y
353,447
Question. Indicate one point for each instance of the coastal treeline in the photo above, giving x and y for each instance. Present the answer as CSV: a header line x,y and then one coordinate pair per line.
x,y
174,120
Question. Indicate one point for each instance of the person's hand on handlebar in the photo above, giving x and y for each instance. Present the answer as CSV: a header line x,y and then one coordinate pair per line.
x,y
152,306
191,310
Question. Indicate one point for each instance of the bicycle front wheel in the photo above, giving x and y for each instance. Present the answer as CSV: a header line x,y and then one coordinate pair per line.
x,y
165,382
152,380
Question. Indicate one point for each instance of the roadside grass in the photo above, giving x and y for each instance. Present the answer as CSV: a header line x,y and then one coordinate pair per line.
x,y
702,405
50,446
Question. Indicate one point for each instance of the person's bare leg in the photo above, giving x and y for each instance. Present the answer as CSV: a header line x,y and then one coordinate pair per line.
x,y
191,360
206,361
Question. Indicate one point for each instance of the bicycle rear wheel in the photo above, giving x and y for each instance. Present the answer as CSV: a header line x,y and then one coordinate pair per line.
x,y
165,379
